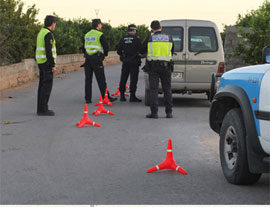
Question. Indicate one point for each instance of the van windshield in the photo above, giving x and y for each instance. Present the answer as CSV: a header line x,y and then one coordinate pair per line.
x,y
202,39
177,36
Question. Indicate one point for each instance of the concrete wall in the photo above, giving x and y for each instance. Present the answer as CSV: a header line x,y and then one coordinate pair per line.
x,y
27,70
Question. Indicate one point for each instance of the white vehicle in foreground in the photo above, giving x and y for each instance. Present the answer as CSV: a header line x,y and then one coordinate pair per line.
x,y
240,114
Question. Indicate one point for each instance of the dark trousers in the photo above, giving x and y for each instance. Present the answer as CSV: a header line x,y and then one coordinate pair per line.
x,y
97,68
164,74
129,68
44,87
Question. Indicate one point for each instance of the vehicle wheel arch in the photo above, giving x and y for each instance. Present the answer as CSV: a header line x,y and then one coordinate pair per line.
x,y
231,96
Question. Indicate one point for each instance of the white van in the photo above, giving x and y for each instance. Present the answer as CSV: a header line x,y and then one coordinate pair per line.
x,y
198,52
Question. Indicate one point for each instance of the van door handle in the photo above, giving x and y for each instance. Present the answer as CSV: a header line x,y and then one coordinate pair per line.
x,y
185,56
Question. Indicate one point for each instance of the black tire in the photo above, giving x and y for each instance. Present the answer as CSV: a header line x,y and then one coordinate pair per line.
x,y
147,97
213,89
233,150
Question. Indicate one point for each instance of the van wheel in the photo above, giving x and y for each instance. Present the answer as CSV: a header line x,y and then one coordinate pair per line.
x,y
233,150
147,97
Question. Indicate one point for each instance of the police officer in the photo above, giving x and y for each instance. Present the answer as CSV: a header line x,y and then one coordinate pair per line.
x,y
96,48
46,59
159,49
128,49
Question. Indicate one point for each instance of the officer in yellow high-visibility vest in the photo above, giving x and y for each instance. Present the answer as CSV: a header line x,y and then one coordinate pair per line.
x,y
159,49
95,50
46,59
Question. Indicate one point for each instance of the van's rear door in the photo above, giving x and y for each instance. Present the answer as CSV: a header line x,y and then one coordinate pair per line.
x,y
203,51
176,28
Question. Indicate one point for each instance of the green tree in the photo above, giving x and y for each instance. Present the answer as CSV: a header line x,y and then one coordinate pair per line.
x,y
259,23
18,31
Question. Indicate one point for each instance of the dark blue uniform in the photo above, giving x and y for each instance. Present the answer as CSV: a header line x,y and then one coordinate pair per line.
x,y
128,49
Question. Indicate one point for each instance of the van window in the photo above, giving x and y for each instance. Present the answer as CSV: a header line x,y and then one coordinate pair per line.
x,y
177,36
202,39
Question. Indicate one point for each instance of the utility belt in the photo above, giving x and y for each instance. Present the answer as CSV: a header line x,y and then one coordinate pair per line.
x,y
96,58
129,57
158,63
99,55
151,65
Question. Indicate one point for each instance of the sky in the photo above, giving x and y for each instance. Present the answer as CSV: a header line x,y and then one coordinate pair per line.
x,y
117,12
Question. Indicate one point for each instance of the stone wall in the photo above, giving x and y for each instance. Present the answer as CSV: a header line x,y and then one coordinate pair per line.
x,y
27,70
232,39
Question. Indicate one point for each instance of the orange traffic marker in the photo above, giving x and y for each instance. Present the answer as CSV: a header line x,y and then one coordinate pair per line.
x,y
168,163
117,93
106,99
86,120
101,109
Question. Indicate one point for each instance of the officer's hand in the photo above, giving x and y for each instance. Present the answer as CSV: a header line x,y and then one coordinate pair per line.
x,y
142,56
54,69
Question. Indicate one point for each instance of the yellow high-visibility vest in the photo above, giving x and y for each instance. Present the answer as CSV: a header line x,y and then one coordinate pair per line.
x,y
159,47
40,50
92,42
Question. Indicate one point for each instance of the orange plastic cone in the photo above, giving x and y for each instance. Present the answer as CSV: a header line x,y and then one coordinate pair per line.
x,y
101,109
86,120
106,99
168,163
117,93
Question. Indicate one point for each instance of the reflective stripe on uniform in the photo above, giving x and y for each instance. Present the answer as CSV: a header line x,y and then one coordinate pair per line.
x,y
40,48
93,46
158,58
44,56
40,56
93,51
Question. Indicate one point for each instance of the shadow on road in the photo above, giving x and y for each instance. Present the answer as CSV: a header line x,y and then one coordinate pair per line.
x,y
187,101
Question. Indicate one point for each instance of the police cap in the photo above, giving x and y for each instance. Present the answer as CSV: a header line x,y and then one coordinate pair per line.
x,y
96,22
155,25
131,27
49,20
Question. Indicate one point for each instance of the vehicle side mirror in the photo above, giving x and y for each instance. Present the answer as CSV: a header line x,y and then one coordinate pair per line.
x,y
266,54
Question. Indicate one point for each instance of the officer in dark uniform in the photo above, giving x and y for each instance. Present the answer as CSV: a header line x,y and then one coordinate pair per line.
x,y
159,48
46,59
96,48
128,49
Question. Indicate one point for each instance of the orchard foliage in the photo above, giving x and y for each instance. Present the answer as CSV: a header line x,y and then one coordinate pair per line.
x,y
18,32
253,42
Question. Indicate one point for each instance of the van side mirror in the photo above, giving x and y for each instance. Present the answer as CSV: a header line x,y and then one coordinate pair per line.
x,y
266,54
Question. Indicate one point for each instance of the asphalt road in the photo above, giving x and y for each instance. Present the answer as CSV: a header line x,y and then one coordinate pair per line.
x,y
48,160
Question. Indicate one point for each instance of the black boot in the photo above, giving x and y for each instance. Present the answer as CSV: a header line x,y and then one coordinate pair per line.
x,y
133,98
152,116
122,97
112,99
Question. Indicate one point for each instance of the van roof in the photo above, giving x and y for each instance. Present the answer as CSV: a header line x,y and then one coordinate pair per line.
x,y
172,22
185,20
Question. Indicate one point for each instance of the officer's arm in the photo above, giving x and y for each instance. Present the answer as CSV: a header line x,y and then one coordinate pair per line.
x,y
143,50
120,47
172,50
104,45
48,48
83,48
139,44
